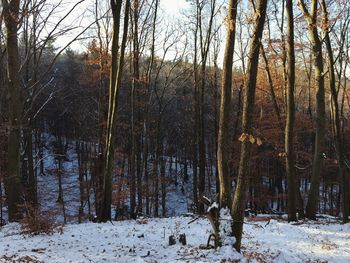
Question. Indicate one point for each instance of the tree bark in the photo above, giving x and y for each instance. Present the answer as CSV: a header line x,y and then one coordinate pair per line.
x,y
115,82
204,41
336,122
290,119
13,178
316,46
247,123
224,138
196,119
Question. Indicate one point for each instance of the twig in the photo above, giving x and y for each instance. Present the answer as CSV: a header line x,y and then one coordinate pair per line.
x,y
193,220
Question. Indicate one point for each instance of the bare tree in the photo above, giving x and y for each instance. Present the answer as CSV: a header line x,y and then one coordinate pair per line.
x,y
247,123
316,47
336,122
13,178
114,86
223,152
290,119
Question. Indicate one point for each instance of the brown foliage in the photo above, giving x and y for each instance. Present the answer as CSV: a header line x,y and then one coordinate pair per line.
x,y
37,221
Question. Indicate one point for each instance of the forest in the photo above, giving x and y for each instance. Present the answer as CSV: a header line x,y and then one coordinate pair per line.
x,y
224,115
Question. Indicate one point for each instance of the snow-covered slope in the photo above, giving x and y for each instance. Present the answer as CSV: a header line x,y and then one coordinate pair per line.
x,y
147,240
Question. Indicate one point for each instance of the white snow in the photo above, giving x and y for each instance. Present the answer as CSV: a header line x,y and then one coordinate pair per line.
x,y
146,240
212,206
225,229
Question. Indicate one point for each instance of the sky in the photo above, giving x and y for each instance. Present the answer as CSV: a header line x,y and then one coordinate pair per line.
x,y
171,8
170,11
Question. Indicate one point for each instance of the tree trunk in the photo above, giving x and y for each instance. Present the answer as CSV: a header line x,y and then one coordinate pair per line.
x,y
13,178
247,122
196,122
316,46
156,184
136,184
115,81
80,156
224,138
32,180
272,89
204,41
336,122
163,184
290,119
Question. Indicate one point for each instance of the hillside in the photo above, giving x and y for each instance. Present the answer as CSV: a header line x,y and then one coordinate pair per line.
x,y
146,240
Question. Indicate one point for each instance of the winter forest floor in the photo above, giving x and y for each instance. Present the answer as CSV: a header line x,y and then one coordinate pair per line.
x,y
265,239
146,240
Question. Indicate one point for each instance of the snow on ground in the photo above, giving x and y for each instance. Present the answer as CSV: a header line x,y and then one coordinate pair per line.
x,y
178,199
146,240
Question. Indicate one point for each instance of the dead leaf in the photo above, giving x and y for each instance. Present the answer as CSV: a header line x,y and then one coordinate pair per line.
x,y
251,139
243,137
259,141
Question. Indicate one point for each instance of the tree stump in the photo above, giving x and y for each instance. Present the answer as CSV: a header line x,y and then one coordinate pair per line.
x,y
172,240
213,216
182,239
